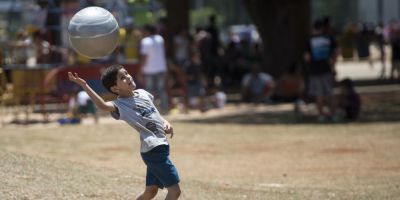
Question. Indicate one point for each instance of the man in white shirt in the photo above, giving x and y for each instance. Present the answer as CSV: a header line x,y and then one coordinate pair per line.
x,y
154,65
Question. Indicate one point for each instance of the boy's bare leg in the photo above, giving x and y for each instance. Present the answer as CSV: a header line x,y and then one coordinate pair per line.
x,y
149,193
174,192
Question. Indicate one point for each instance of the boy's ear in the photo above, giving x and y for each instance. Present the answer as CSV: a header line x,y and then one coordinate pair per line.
x,y
114,89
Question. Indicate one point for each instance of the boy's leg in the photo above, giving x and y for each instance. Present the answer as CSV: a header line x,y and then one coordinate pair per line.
x,y
149,193
161,172
174,191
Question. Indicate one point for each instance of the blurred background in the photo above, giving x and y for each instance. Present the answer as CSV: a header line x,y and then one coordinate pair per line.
x,y
210,47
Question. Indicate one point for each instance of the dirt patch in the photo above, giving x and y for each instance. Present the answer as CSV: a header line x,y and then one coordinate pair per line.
x,y
387,168
115,149
343,150
218,161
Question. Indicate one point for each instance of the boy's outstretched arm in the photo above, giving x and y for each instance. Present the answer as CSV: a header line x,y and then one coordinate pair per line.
x,y
100,103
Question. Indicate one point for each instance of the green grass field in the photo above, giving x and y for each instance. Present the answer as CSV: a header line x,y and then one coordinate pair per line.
x,y
235,157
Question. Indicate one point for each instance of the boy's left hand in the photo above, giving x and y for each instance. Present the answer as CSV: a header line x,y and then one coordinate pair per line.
x,y
168,128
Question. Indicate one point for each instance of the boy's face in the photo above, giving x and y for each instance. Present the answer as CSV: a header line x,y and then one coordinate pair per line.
x,y
124,83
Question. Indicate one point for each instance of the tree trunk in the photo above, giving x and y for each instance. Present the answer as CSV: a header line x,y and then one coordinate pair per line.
x,y
177,18
177,14
284,26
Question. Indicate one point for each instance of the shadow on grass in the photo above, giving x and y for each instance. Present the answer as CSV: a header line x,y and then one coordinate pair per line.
x,y
289,118
259,118
377,107
29,121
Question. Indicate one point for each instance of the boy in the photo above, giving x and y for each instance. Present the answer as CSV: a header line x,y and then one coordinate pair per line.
x,y
137,109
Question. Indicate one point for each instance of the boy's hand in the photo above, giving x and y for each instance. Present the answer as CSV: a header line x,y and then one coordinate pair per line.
x,y
75,78
168,128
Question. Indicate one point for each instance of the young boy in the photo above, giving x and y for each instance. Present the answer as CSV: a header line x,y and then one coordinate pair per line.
x,y
137,109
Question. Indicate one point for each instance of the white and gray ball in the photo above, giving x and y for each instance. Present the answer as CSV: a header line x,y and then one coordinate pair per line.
x,y
93,32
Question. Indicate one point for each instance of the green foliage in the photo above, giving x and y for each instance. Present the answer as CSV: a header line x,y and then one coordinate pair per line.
x,y
144,17
199,17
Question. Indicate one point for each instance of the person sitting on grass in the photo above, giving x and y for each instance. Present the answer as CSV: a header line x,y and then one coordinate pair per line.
x,y
80,105
136,107
257,86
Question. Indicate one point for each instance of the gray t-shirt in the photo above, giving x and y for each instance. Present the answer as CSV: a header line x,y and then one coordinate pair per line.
x,y
140,112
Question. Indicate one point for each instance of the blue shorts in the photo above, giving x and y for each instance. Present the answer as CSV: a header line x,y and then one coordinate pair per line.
x,y
160,170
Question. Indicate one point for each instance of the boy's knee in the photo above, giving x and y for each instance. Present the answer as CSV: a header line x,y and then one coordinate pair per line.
x,y
152,191
174,190
149,193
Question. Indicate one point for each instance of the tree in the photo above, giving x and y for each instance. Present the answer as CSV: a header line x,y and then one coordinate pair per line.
x,y
177,18
177,14
284,26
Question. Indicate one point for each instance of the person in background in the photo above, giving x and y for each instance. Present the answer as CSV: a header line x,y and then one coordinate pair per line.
x,y
210,53
176,89
195,82
348,100
364,37
132,43
380,40
154,65
181,47
395,44
291,85
79,105
320,56
257,86
86,106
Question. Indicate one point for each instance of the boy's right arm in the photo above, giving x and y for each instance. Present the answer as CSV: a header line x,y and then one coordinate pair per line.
x,y
100,103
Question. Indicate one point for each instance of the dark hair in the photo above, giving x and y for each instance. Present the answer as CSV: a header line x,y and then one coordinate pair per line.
x,y
212,19
326,21
318,24
109,76
150,28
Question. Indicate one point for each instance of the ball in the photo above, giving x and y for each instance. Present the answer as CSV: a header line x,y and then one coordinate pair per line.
x,y
93,32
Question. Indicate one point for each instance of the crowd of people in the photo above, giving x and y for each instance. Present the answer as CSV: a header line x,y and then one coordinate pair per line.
x,y
357,38
196,66
197,69
323,50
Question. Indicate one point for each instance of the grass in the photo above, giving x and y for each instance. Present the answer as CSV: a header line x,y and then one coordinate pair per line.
x,y
236,157
215,161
